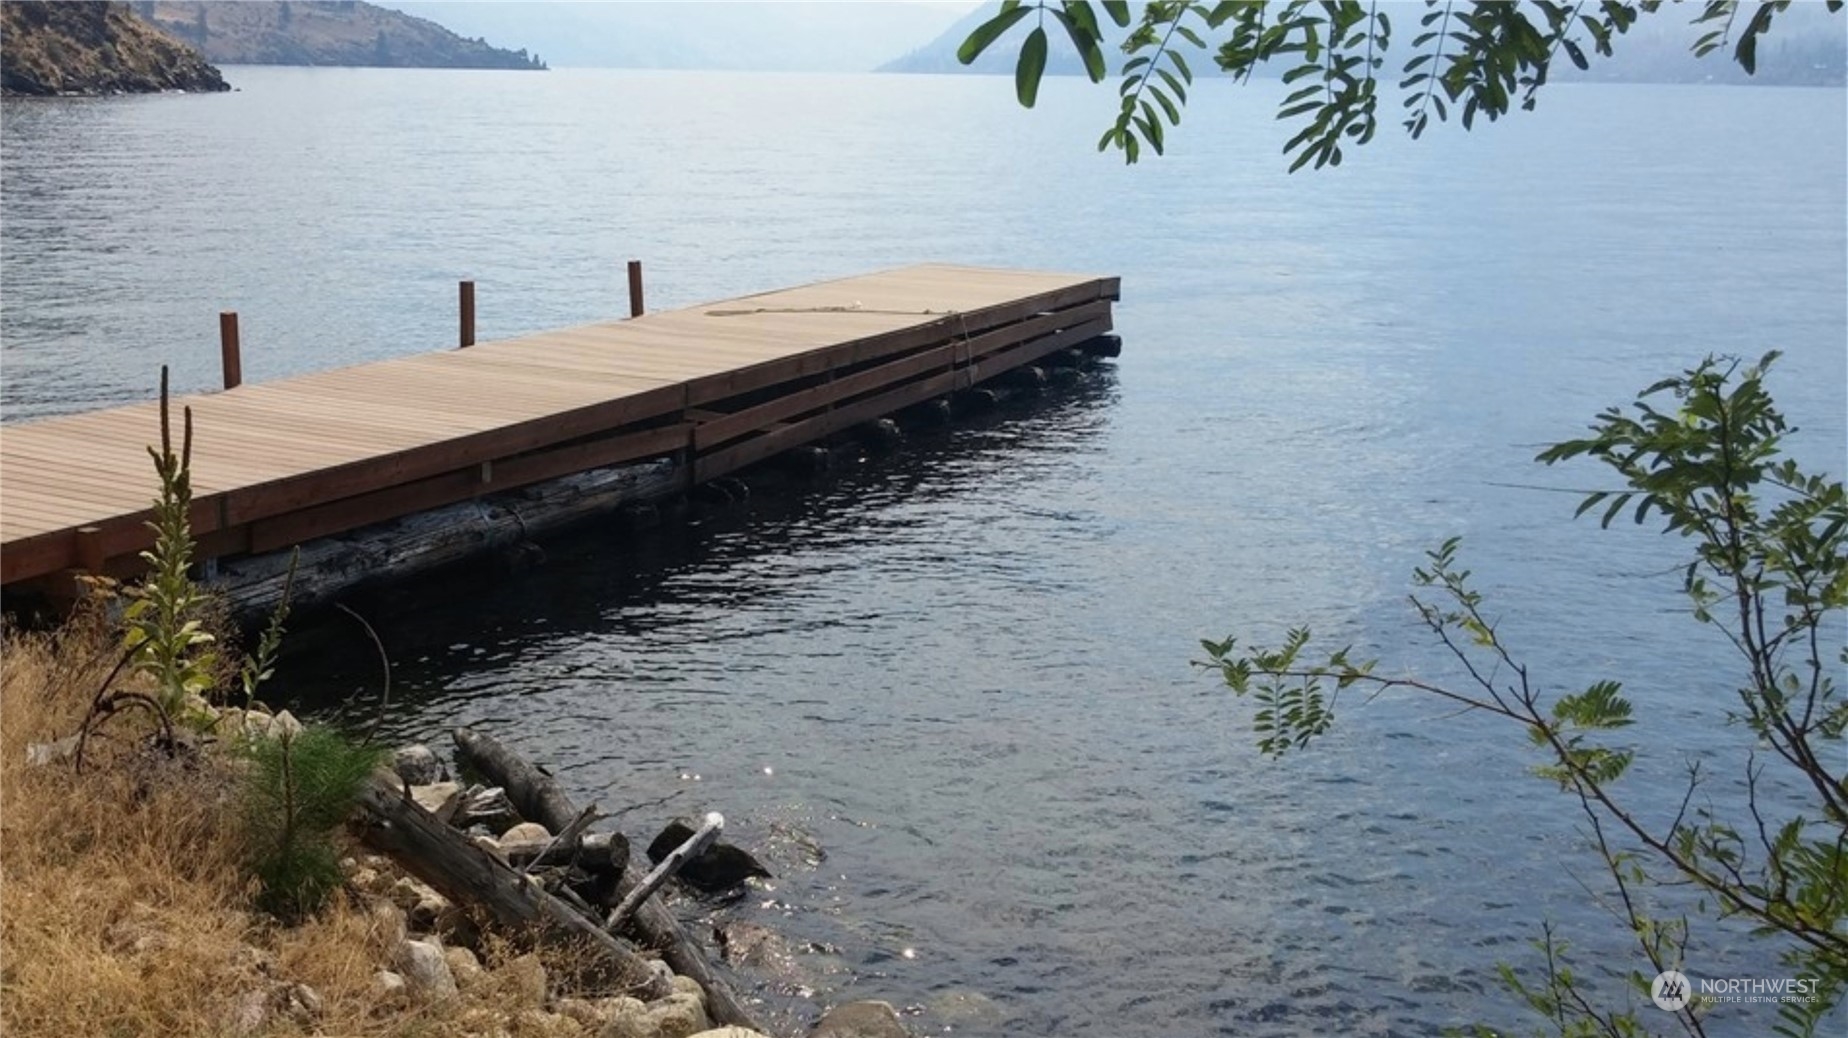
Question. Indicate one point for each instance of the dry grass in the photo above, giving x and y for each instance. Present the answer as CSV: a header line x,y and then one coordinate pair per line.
x,y
123,911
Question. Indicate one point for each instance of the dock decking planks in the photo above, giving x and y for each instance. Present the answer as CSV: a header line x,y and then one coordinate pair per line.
x,y
728,382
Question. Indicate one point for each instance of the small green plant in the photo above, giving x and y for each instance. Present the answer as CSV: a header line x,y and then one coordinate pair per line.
x,y
1769,571
260,665
300,788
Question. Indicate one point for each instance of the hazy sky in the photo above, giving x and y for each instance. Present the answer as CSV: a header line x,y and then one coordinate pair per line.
x,y
737,34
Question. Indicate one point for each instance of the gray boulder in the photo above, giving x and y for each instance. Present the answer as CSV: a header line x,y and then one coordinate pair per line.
x,y
427,969
417,765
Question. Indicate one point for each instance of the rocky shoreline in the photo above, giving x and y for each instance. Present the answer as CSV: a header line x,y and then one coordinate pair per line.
x,y
92,49
440,945
433,964
438,951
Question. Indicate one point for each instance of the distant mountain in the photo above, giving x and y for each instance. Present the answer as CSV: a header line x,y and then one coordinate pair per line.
x,y
781,37
280,32
939,55
1806,46
93,48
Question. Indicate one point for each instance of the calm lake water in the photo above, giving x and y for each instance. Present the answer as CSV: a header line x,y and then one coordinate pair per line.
x,y
965,671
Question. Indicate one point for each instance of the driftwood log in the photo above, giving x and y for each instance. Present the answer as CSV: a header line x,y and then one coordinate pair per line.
x,y
596,852
333,566
541,798
458,869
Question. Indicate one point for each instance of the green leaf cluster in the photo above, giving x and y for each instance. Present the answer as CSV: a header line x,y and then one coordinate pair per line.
x,y
1077,17
1293,703
1478,56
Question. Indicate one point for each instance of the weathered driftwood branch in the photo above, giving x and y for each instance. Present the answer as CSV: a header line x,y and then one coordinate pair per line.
x,y
541,798
695,845
596,853
461,871
487,805
566,839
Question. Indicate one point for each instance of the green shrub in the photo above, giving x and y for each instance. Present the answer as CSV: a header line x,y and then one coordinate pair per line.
x,y
298,791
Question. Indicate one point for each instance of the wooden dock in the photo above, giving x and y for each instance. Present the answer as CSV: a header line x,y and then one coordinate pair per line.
x,y
719,386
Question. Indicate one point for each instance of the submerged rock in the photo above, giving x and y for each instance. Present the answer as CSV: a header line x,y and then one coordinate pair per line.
x,y
964,1010
861,1020
768,957
754,947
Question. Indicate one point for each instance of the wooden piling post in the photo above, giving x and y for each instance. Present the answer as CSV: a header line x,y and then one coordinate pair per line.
x,y
90,555
635,288
228,349
466,336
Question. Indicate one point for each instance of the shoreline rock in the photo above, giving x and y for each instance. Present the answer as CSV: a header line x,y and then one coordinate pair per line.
x,y
93,48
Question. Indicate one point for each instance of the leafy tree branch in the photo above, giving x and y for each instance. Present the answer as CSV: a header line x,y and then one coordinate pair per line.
x,y
1482,56
1701,452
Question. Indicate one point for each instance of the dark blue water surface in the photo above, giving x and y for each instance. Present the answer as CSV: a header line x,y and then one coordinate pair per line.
x,y
965,671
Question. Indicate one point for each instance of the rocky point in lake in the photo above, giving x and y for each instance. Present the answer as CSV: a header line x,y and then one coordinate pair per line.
x,y
94,48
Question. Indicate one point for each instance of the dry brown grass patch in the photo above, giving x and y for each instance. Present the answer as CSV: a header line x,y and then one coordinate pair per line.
x,y
124,910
